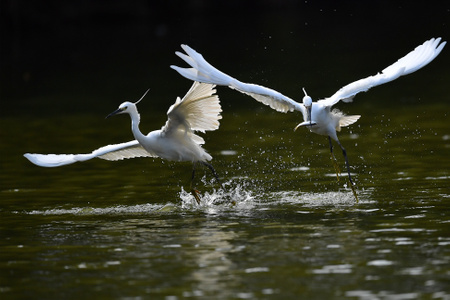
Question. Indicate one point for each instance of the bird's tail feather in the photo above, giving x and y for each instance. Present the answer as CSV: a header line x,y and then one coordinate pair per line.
x,y
347,120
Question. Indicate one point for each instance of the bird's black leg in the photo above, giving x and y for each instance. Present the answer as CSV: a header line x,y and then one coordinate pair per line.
x,y
333,159
344,152
213,171
194,192
216,176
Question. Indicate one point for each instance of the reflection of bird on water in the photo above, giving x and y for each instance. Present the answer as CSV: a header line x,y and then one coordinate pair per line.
x,y
199,110
317,116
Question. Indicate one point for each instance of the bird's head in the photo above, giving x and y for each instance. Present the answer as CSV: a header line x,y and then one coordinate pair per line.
x,y
127,107
307,102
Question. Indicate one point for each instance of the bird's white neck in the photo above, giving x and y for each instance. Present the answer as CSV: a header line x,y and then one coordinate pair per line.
x,y
135,119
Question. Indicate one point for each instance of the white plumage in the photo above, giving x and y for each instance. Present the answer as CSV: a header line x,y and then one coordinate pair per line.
x,y
199,110
413,61
111,152
202,71
317,116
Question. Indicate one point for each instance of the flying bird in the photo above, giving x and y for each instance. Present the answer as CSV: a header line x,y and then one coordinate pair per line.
x,y
199,110
318,116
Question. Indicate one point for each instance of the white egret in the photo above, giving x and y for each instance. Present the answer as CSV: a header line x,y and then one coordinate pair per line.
x,y
318,116
199,110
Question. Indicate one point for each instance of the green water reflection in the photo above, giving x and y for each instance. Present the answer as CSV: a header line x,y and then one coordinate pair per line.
x,y
128,229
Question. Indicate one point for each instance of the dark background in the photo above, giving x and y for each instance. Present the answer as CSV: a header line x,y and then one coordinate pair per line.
x,y
88,56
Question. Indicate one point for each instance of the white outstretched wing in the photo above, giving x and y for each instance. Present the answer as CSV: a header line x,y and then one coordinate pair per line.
x,y
199,110
111,152
413,61
202,71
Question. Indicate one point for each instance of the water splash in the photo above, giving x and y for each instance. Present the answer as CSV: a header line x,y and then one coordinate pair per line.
x,y
243,193
238,194
315,199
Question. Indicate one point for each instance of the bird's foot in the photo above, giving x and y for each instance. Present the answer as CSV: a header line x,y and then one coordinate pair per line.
x,y
353,190
196,195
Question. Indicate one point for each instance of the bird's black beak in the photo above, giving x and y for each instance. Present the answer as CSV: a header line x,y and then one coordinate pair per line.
x,y
308,114
308,122
113,113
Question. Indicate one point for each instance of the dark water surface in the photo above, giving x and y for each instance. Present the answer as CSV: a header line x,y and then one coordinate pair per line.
x,y
131,230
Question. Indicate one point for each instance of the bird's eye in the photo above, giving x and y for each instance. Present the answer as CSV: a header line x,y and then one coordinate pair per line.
x,y
123,108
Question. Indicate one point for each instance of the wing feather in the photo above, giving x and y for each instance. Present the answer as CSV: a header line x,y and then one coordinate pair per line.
x,y
121,151
202,71
413,61
199,110
111,152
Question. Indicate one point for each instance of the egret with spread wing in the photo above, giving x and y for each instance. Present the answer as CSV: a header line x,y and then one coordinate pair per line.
x,y
199,110
318,116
